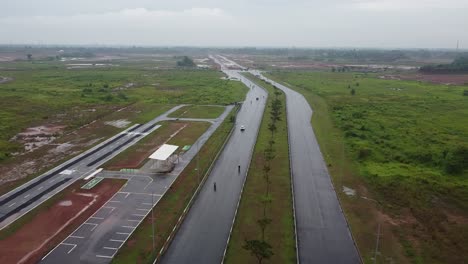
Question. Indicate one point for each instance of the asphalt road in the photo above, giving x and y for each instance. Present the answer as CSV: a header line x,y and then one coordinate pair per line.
x,y
323,235
100,237
203,235
19,201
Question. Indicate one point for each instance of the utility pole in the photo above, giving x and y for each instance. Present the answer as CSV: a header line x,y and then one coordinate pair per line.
x,y
377,243
198,160
152,217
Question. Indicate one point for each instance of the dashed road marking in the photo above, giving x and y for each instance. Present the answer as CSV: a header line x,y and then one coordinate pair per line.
x,y
117,240
95,217
27,196
131,220
139,215
11,204
132,227
122,233
102,256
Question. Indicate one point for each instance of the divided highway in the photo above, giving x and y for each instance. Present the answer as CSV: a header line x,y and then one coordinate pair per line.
x,y
323,235
204,233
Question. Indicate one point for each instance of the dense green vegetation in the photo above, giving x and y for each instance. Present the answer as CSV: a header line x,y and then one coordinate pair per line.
x,y
407,142
48,92
185,62
459,65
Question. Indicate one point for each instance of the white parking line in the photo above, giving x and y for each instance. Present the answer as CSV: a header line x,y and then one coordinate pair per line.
x,y
117,240
139,214
111,201
130,220
141,209
132,227
102,256
76,236
147,203
111,248
73,247
112,208
11,204
95,217
121,233
95,225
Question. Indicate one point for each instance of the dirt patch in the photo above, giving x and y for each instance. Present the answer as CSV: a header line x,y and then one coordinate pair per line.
x,y
52,224
36,137
448,79
5,79
121,123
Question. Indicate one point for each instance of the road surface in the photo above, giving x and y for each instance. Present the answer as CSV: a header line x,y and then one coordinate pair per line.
x,y
323,235
203,235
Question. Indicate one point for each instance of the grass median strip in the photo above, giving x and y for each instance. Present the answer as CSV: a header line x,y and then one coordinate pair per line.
x,y
279,232
198,111
138,249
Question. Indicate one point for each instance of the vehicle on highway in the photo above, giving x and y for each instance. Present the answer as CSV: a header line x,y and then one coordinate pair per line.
x,y
242,128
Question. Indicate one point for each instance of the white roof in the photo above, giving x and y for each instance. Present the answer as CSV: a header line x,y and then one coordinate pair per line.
x,y
164,152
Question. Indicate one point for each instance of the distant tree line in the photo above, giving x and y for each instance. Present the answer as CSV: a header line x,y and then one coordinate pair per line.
x,y
185,62
459,65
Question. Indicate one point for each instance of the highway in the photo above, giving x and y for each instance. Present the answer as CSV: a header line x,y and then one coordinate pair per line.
x,y
19,201
323,235
203,235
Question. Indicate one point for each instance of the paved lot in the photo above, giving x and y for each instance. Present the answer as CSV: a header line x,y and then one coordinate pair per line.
x,y
101,236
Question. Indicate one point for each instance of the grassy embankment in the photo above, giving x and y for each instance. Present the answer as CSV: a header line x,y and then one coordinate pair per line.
x,y
405,145
198,111
138,249
280,232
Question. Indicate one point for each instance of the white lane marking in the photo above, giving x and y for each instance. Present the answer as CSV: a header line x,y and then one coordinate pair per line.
x,y
95,217
11,204
117,240
130,220
148,184
111,248
102,256
114,201
95,225
141,209
40,188
132,227
122,233
26,196
147,203
127,195
67,244
76,236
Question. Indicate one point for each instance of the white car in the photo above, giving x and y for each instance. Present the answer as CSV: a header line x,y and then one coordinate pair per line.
x,y
242,128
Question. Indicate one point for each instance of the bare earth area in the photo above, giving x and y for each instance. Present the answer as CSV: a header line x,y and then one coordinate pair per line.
x,y
51,225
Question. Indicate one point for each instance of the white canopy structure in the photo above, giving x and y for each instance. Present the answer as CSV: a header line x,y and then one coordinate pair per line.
x,y
164,152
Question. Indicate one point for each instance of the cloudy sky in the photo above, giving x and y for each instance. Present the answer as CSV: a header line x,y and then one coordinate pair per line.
x,y
271,23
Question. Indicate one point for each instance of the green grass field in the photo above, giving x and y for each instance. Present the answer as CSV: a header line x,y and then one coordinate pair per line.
x,y
49,93
405,145
280,232
198,111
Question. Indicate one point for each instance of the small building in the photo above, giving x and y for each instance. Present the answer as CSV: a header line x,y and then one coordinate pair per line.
x,y
164,159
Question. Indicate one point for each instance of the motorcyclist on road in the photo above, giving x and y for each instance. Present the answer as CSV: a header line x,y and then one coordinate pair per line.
x,y
214,186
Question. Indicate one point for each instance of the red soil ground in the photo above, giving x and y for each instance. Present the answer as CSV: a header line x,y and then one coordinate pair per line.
x,y
54,223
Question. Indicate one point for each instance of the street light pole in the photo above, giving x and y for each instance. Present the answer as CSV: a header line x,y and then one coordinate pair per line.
x,y
198,160
152,216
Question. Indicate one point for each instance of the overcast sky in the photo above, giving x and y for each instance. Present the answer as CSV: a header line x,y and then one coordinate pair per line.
x,y
272,23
